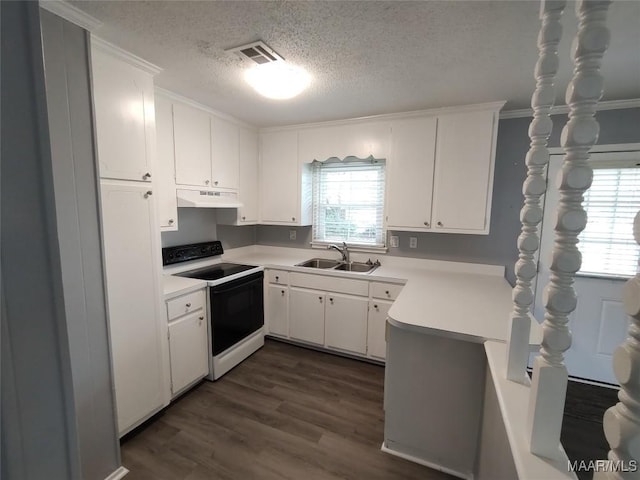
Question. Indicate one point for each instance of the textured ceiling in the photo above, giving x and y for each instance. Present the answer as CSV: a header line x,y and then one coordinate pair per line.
x,y
366,57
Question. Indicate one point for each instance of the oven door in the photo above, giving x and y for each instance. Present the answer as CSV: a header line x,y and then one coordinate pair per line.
x,y
237,310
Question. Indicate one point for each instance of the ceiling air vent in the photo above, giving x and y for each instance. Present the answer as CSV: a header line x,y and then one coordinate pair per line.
x,y
258,52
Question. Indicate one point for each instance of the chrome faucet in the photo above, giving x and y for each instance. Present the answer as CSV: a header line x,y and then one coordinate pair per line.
x,y
344,251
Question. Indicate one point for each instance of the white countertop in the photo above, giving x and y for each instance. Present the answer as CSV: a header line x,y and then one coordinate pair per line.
x,y
458,300
176,286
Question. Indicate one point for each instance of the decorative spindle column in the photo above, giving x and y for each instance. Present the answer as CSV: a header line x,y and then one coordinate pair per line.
x,y
622,421
549,386
534,187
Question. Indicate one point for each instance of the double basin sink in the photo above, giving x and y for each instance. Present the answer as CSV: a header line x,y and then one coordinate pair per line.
x,y
328,264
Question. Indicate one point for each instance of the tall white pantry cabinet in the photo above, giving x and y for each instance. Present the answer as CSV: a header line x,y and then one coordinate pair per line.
x,y
125,135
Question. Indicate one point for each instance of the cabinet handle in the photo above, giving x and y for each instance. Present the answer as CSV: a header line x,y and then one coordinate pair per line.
x,y
146,176
283,293
376,307
206,182
387,292
148,194
331,300
426,224
293,219
215,183
188,305
277,278
320,298
243,218
440,224
201,318
170,221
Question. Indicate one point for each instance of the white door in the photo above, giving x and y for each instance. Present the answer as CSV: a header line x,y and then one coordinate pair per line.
x,y
192,136
346,322
188,349
598,324
306,315
277,310
376,341
130,240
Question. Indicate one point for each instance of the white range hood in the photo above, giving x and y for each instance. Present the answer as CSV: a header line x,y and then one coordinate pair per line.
x,y
207,199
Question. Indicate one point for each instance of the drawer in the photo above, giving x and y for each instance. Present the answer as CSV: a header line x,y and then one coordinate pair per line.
x,y
185,304
388,291
329,284
279,277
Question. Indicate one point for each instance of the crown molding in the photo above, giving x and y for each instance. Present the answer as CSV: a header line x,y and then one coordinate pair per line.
x,y
192,103
560,109
71,13
128,57
432,112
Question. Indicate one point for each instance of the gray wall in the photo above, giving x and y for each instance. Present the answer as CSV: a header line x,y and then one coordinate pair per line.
x,y
66,65
38,425
499,247
199,225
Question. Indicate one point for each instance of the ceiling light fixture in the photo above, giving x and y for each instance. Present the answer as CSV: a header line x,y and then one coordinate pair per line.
x,y
278,80
270,75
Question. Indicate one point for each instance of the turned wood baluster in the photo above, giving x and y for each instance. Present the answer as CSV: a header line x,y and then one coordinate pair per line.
x,y
549,385
534,187
622,421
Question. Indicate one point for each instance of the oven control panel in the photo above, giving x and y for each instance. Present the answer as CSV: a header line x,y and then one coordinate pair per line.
x,y
194,251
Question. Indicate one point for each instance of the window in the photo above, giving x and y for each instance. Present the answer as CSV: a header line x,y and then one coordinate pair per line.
x,y
348,202
607,243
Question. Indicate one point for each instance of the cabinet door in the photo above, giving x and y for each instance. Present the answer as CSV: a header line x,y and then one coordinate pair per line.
x,y
131,254
306,315
125,123
166,174
376,343
192,132
464,172
346,323
248,182
410,180
277,311
280,177
188,350
224,154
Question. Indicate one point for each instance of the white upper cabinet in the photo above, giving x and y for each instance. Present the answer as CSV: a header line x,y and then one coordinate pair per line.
x,y
165,181
124,115
360,140
224,154
410,174
192,130
463,180
285,186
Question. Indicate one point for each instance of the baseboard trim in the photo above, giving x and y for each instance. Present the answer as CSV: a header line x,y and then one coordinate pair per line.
x,y
426,463
118,474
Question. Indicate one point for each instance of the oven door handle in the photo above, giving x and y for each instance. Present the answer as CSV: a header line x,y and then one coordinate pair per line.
x,y
242,283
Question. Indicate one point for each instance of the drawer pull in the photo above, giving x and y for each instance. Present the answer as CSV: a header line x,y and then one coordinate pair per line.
x,y
277,278
386,292
376,307
320,298
283,293
188,305
331,300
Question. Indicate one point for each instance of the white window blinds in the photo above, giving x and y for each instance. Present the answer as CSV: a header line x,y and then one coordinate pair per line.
x,y
607,243
348,202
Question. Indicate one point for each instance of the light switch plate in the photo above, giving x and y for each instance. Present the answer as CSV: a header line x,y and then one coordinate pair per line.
x,y
292,234
413,242
395,242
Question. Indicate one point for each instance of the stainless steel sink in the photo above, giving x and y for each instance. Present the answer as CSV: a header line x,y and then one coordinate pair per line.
x,y
356,267
319,263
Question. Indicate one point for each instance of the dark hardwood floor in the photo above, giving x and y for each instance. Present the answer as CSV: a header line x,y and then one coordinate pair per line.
x,y
293,413
285,413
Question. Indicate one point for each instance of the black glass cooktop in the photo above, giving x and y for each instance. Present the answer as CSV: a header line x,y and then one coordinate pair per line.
x,y
214,272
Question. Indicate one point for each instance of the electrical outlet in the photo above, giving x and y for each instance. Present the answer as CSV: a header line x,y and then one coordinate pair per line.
x,y
413,242
292,234
395,242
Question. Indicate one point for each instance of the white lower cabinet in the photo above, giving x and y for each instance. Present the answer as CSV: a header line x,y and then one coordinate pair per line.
x,y
346,323
376,343
188,340
277,310
306,314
